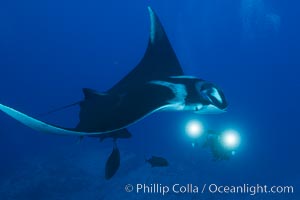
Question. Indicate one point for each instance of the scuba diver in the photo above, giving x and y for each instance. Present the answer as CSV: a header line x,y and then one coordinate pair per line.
x,y
215,143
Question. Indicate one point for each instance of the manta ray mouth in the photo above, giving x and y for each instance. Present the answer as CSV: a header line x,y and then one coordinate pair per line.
x,y
213,95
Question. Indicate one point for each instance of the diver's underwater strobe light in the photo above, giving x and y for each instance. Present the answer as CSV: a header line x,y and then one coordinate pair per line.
x,y
230,139
222,145
194,128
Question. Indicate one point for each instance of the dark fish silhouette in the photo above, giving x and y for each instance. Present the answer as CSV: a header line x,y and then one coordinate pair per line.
x,y
156,161
157,83
112,163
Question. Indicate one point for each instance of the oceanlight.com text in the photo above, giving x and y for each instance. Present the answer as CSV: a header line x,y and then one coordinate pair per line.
x,y
250,189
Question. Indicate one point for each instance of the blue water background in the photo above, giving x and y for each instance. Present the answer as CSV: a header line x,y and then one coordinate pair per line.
x,y
49,50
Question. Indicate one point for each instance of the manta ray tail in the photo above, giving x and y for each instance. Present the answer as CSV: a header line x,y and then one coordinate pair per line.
x,y
59,109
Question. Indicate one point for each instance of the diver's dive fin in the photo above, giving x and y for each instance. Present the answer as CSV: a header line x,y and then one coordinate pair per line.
x,y
159,61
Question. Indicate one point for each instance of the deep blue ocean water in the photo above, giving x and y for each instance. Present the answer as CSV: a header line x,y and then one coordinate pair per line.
x,y
49,50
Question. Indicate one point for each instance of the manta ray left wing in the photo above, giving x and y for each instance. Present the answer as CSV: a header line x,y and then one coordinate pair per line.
x,y
95,121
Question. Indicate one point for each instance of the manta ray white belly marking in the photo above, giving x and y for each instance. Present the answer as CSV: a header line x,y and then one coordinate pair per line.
x,y
180,93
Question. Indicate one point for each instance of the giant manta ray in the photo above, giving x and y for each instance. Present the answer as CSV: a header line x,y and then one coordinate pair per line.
x,y
157,83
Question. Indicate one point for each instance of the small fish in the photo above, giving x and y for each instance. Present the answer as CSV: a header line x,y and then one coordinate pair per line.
x,y
156,161
112,163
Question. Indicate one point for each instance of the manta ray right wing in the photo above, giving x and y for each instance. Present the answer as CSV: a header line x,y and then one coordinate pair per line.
x,y
159,61
136,97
